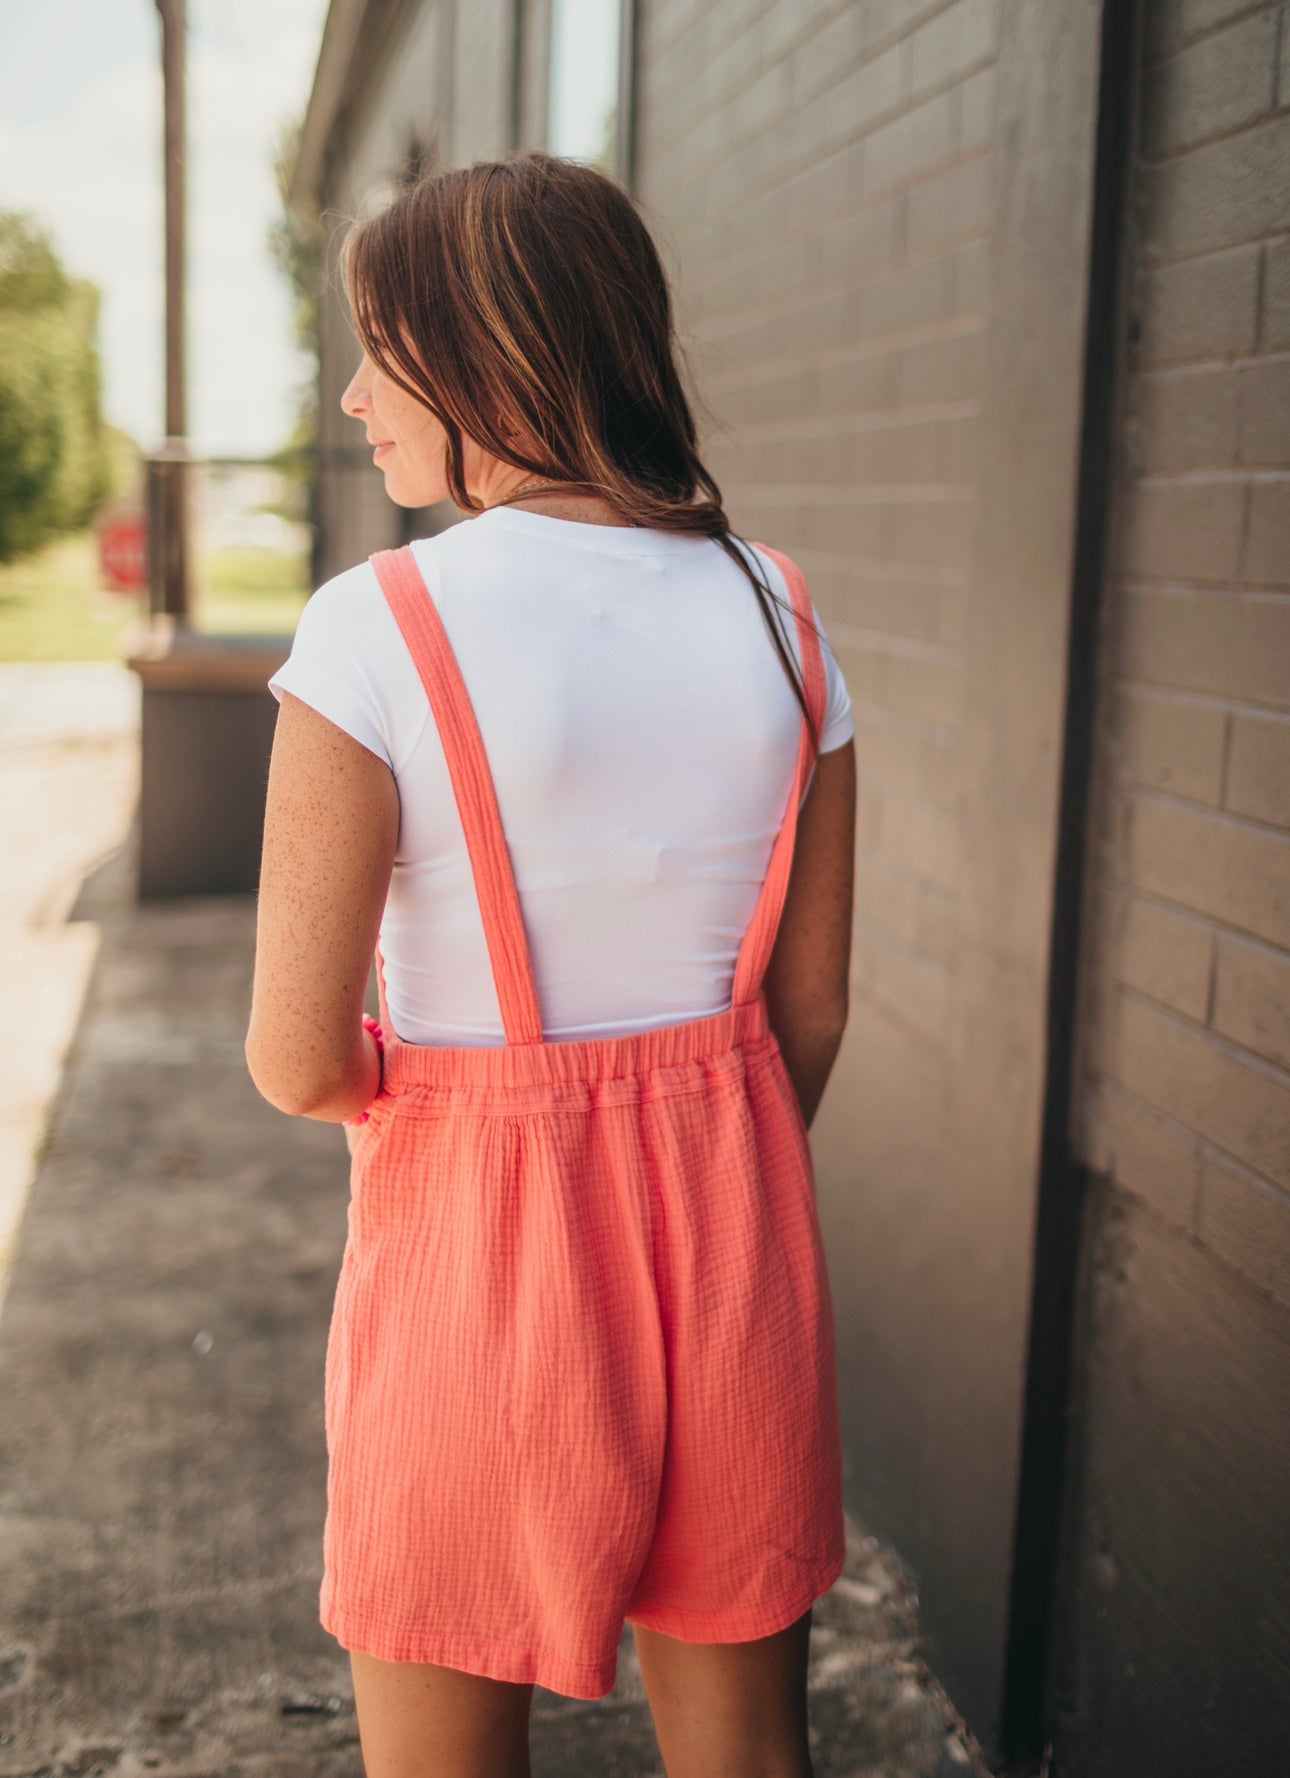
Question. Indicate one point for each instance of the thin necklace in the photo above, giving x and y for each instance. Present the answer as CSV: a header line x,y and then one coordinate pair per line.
x,y
534,486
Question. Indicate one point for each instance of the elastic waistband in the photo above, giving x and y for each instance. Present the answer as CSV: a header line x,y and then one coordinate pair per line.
x,y
588,1061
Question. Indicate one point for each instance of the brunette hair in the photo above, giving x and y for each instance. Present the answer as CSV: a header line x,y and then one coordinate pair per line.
x,y
527,293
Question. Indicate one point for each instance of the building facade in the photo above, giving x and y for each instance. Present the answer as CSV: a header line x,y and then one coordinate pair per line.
x,y
986,309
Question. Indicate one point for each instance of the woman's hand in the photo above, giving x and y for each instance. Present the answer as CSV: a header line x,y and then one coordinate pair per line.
x,y
351,1137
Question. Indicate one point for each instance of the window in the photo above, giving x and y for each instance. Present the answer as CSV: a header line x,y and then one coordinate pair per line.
x,y
589,106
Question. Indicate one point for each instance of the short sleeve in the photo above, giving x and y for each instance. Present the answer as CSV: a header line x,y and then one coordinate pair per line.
x,y
340,664
839,721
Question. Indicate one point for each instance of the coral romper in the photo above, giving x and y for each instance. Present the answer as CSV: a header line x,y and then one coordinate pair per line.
x,y
581,1361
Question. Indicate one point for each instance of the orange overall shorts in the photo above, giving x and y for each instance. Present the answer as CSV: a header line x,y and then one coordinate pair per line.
x,y
581,1364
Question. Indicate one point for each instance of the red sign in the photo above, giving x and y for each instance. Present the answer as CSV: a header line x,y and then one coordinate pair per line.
x,y
123,552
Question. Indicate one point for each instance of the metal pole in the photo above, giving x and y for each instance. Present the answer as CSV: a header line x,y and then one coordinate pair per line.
x,y
173,476
625,145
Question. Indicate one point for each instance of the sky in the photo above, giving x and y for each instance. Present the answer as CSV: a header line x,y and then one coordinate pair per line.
x,y
584,76
80,148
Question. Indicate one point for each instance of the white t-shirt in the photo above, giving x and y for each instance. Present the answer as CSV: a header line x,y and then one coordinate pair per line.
x,y
642,737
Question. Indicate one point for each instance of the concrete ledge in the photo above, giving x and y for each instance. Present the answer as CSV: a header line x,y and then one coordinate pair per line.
x,y
208,721
170,657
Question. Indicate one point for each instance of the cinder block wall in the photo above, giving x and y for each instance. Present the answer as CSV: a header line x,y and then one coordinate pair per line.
x,y
1184,1109
842,227
823,173
1187,1101
822,177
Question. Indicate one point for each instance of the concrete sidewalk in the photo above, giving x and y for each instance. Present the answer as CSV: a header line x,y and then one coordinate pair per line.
x,y
69,770
162,1466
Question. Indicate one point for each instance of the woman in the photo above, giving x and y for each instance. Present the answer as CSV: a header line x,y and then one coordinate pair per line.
x,y
550,763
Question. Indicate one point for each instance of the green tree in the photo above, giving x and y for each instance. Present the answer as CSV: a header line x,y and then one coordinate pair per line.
x,y
55,468
297,244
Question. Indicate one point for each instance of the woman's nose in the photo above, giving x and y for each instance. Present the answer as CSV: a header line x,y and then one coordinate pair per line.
x,y
355,399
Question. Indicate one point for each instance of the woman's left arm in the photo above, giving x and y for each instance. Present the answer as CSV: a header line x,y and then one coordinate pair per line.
x,y
331,827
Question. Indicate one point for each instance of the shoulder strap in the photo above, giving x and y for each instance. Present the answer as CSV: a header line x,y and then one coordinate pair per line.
x,y
418,618
759,939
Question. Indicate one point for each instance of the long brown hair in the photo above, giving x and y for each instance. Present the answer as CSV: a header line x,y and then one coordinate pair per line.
x,y
528,292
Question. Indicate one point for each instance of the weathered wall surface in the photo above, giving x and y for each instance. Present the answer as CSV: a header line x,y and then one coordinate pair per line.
x,y
1182,1561
877,217
1187,1100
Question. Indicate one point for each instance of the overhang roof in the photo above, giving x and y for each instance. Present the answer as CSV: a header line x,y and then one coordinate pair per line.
x,y
339,77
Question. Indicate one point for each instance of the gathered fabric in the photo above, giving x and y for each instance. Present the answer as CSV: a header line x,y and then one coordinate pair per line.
x,y
581,1364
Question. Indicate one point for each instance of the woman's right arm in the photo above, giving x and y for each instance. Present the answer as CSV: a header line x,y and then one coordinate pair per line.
x,y
808,974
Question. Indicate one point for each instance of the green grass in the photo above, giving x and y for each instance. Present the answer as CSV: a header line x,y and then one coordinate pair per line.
x,y
53,607
251,590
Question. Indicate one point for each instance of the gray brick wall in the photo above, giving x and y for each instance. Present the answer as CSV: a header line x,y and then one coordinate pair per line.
x,y
1186,1091
876,216
822,176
